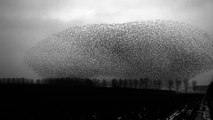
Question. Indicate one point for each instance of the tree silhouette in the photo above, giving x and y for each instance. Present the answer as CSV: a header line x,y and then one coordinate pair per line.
x,y
146,82
88,83
141,83
154,84
131,83
135,83
159,84
120,83
210,98
125,83
104,83
178,84
96,82
194,83
186,85
170,84
114,83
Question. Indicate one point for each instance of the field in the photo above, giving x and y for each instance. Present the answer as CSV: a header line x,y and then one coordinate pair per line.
x,y
38,102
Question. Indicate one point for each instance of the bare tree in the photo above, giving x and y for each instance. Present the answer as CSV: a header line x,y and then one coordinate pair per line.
x,y
104,83
178,84
135,83
151,84
170,84
155,84
159,84
114,83
141,83
125,83
194,83
186,85
96,82
120,83
146,82
131,83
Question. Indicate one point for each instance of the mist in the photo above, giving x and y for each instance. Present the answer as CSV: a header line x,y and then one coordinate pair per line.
x,y
24,23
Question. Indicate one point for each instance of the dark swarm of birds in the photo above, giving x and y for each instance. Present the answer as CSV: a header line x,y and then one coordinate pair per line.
x,y
153,49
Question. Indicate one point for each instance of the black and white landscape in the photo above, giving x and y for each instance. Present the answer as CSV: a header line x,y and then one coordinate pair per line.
x,y
106,60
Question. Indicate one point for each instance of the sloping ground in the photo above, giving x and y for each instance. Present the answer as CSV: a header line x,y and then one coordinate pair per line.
x,y
194,110
59,102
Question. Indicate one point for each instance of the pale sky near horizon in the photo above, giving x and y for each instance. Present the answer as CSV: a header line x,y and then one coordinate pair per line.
x,y
25,22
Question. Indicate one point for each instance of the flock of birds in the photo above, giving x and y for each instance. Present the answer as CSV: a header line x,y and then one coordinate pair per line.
x,y
155,49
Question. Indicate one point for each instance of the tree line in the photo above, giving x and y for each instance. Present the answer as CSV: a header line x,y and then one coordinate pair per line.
x,y
143,83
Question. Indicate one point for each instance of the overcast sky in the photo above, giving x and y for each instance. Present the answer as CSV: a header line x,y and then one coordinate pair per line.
x,y
25,22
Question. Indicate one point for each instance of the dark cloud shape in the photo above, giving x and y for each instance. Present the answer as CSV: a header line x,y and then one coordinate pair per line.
x,y
158,49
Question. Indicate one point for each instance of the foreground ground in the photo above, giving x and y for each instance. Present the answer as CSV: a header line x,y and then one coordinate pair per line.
x,y
65,103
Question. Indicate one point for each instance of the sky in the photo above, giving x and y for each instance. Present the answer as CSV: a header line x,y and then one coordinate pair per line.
x,y
23,23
